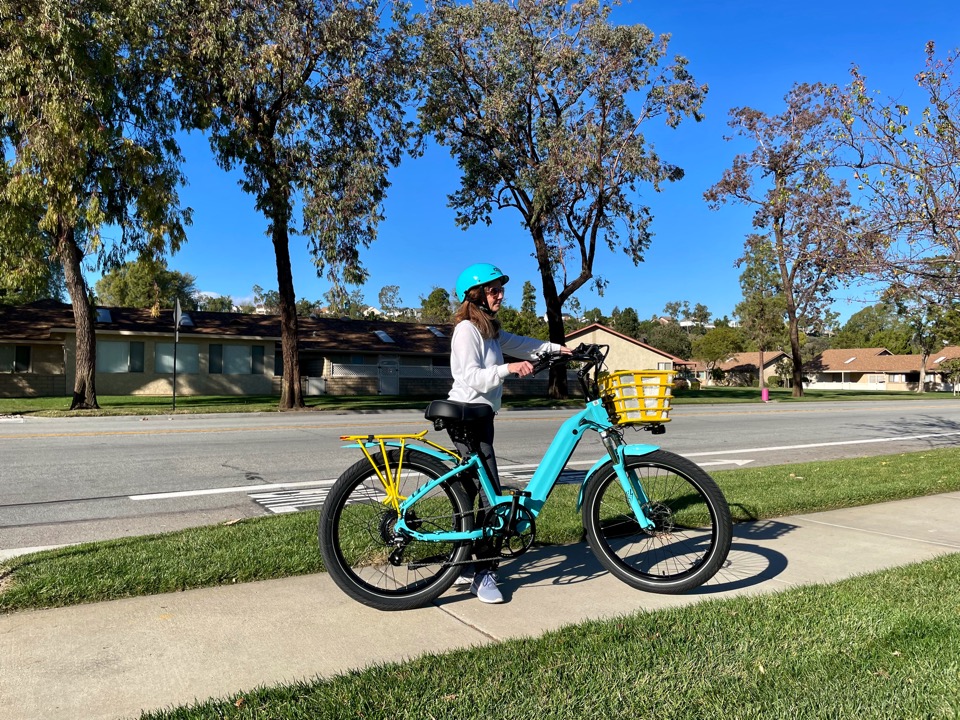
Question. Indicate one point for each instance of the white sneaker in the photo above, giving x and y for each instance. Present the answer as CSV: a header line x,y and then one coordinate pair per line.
x,y
464,579
484,586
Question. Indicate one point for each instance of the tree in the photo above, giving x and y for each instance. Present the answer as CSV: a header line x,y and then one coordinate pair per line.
x,y
341,303
87,141
147,283
435,308
907,164
525,321
950,372
307,98
676,310
763,307
390,303
266,300
543,104
928,318
801,212
216,303
717,345
626,322
594,315
875,326
670,338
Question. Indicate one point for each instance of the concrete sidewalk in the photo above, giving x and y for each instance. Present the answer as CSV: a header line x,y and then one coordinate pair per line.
x,y
114,659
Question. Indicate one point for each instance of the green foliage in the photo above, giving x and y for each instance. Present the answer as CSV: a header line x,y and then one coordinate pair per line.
x,y
670,338
90,123
343,304
904,164
307,99
436,307
717,345
147,283
763,310
950,370
594,315
803,215
626,322
875,326
218,303
543,104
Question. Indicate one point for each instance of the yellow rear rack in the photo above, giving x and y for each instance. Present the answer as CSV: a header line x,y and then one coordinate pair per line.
x,y
390,476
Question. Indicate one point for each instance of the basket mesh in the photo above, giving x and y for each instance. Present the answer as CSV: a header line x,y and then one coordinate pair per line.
x,y
639,396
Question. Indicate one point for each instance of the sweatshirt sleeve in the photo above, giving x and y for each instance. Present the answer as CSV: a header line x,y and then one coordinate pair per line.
x,y
466,361
520,346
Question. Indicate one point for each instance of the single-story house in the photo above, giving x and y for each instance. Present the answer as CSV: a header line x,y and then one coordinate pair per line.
x,y
876,369
742,369
225,354
626,353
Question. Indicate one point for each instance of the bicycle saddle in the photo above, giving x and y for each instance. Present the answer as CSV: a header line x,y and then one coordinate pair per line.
x,y
458,411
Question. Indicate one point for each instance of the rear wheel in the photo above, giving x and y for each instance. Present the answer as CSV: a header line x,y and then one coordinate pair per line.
x,y
692,530
361,551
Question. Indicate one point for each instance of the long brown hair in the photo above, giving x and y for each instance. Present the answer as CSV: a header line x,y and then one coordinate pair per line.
x,y
470,309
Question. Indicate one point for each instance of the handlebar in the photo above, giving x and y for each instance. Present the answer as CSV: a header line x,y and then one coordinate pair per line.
x,y
591,355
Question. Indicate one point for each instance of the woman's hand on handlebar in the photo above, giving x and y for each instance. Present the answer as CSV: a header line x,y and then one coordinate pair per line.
x,y
521,369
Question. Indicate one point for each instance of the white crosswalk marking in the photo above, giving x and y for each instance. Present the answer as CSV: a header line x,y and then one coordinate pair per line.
x,y
288,501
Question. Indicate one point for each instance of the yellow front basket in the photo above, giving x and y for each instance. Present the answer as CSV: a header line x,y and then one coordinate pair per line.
x,y
639,396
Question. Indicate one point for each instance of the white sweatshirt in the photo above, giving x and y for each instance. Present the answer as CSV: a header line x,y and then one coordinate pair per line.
x,y
477,365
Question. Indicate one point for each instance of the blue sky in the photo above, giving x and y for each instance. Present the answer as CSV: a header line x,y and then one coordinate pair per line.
x,y
748,52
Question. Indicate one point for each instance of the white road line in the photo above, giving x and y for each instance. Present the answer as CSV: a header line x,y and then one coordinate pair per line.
x,y
825,444
224,490
509,468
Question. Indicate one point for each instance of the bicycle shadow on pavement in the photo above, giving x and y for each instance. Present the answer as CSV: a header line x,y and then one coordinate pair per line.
x,y
751,562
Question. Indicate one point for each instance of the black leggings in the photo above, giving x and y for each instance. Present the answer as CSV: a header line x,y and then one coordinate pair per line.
x,y
476,437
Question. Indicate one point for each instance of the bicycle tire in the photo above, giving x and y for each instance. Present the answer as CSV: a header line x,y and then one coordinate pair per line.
x,y
693,531
355,534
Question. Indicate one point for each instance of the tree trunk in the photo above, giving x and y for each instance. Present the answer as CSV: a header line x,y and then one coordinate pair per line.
x,y
291,397
557,387
85,374
923,372
795,355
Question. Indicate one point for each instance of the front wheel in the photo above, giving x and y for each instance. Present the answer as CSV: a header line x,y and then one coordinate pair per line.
x,y
360,549
691,535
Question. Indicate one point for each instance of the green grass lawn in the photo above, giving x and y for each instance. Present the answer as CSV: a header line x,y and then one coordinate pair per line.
x,y
885,645
284,545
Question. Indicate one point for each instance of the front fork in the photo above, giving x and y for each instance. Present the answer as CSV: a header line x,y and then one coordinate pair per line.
x,y
629,481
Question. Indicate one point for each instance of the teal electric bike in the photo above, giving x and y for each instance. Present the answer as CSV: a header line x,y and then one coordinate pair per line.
x,y
398,526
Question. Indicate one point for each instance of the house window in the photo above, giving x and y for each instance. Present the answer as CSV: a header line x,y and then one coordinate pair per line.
x,y
188,358
119,357
236,359
665,366
14,358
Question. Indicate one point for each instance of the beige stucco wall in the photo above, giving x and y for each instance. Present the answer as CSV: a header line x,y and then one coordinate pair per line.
x,y
624,355
45,378
149,382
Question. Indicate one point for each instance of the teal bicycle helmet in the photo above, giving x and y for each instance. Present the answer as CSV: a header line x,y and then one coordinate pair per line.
x,y
478,274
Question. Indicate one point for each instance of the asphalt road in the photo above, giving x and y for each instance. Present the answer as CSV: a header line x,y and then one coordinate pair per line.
x,y
79,479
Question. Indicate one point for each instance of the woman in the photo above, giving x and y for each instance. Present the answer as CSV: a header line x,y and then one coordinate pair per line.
x,y
478,369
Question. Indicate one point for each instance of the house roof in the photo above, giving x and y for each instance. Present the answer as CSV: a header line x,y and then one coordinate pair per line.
x,y
49,321
603,328
876,360
34,322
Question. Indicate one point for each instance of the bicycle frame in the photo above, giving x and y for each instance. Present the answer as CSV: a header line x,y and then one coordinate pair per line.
x,y
593,417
